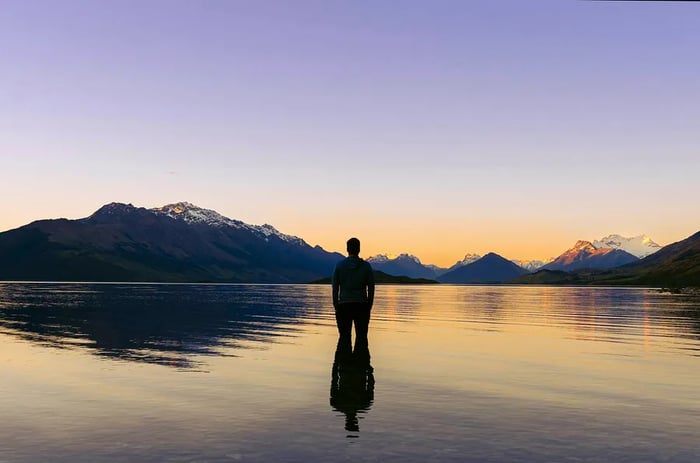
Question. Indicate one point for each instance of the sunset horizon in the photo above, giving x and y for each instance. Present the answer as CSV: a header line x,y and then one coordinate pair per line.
x,y
388,246
458,128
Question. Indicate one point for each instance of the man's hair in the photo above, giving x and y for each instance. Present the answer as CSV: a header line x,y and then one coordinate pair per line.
x,y
353,246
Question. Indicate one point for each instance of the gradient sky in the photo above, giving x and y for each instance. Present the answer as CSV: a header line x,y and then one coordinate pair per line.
x,y
434,127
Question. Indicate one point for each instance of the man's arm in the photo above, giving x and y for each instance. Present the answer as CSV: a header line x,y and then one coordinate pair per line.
x,y
335,281
370,287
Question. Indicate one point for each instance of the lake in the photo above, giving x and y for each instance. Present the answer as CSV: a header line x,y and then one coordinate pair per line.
x,y
221,373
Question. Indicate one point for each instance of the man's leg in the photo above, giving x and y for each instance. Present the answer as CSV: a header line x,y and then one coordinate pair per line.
x,y
361,314
343,351
343,318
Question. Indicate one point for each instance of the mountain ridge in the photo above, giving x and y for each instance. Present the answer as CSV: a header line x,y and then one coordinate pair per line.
x,y
585,254
673,266
184,242
122,242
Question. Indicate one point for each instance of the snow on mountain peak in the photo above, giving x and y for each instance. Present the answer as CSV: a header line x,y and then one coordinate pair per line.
x,y
469,258
582,244
383,258
179,208
193,214
269,230
640,246
532,264
409,257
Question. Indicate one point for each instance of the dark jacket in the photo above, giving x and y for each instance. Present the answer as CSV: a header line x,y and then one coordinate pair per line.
x,y
353,281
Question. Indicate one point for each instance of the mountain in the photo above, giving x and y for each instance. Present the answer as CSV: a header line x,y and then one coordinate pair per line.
x,y
177,242
406,265
673,266
531,265
468,259
639,246
192,214
491,268
585,255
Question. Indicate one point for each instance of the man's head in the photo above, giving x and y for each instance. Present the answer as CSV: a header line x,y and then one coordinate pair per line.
x,y
353,247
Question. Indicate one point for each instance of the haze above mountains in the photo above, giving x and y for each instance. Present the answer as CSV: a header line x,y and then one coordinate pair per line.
x,y
184,242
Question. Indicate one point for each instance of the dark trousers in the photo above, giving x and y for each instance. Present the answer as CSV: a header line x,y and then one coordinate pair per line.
x,y
349,313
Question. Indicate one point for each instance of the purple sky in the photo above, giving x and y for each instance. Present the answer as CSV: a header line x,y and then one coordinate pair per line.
x,y
435,128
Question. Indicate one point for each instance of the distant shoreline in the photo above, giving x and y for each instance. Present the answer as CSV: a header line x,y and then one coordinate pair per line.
x,y
382,278
326,281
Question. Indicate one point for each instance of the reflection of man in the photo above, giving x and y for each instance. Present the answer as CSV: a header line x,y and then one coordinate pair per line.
x,y
353,293
352,383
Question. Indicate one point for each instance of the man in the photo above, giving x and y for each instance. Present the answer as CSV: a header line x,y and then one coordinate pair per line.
x,y
353,294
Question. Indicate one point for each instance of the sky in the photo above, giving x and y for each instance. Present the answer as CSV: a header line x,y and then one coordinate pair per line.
x,y
436,128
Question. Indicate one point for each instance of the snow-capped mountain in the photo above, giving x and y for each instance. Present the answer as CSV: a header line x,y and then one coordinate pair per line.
x,y
192,214
378,259
383,258
585,255
640,246
404,265
178,242
468,259
676,265
531,265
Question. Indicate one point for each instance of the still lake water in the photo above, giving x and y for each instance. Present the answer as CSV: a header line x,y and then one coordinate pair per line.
x,y
218,373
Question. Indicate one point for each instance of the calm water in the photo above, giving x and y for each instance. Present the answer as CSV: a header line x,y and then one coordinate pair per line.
x,y
189,373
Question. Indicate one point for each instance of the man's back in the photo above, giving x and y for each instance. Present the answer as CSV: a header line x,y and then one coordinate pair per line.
x,y
353,281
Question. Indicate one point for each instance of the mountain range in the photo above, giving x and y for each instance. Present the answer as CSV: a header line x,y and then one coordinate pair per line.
x,y
674,265
184,242
472,269
607,252
411,266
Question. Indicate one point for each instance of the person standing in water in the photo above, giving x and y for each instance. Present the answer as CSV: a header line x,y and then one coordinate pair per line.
x,y
353,294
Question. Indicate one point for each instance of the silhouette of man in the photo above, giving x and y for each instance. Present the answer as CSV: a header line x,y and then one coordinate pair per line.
x,y
353,294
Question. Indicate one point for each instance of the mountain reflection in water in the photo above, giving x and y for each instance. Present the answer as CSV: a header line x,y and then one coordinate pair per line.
x,y
162,324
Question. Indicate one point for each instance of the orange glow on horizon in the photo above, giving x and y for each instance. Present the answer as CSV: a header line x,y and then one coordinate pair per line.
x,y
442,239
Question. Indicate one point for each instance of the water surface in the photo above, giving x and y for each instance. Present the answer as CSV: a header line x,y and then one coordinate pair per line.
x,y
112,372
